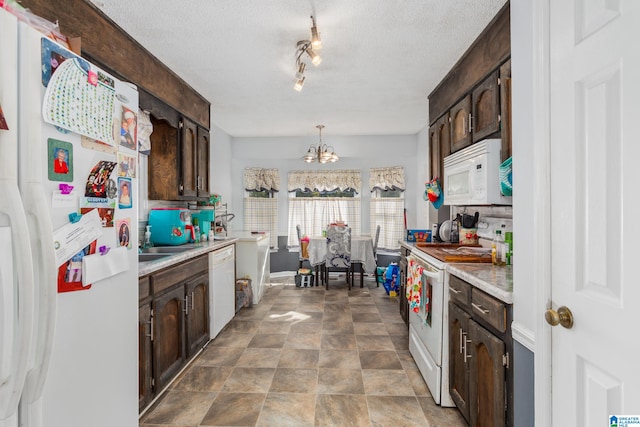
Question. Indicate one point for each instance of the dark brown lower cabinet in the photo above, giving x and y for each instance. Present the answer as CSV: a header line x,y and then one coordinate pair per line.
x,y
169,353
480,349
173,323
486,378
197,313
145,371
458,371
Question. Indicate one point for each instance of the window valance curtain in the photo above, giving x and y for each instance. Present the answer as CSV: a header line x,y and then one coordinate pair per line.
x,y
325,180
391,178
260,179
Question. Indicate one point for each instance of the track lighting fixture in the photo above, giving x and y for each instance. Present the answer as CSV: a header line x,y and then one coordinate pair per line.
x,y
309,47
323,153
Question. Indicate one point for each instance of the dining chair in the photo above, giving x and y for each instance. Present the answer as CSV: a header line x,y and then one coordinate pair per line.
x,y
302,259
375,252
338,253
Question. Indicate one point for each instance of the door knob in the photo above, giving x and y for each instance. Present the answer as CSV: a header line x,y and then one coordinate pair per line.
x,y
563,317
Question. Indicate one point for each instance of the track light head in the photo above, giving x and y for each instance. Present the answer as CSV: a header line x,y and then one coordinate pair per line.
x,y
315,37
301,68
315,58
298,84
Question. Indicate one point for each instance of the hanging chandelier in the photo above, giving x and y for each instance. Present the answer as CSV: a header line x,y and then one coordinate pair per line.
x,y
322,153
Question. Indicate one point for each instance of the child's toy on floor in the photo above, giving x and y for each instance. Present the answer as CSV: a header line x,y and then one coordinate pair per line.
x,y
391,277
304,278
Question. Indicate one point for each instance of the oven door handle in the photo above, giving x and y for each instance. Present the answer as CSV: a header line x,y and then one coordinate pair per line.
x,y
437,275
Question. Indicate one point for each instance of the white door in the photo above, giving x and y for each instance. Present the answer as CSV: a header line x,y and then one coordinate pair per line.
x,y
595,208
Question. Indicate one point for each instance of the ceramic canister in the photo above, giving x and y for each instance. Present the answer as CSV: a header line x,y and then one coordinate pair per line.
x,y
469,236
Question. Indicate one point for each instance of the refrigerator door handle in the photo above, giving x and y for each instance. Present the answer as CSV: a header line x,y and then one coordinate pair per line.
x,y
41,238
12,382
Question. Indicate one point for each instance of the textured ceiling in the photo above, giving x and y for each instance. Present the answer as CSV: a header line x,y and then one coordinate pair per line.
x,y
381,58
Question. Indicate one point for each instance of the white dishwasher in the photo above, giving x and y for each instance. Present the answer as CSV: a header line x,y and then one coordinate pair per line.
x,y
222,288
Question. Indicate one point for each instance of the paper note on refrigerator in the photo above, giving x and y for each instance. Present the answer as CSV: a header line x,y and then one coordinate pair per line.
x,y
73,237
99,267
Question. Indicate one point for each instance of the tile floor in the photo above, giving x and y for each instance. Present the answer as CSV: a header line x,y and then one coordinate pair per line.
x,y
306,357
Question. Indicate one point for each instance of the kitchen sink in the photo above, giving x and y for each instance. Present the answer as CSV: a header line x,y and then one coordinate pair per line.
x,y
167,249
144,257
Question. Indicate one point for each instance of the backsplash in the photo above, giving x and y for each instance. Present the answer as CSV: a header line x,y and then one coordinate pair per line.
x,y
491,218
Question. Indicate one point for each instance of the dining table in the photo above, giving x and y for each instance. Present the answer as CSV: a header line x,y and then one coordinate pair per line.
x,y
361,252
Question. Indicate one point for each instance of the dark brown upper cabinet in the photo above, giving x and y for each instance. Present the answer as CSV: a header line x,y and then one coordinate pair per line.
x,y
434,153
505,109
461,124
439,145
188,154
486,108
179,161
202,164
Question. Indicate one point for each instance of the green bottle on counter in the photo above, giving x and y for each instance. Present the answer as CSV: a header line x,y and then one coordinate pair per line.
x,y
508,238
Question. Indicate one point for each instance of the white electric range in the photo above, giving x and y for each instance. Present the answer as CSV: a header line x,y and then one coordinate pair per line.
x,y
428,312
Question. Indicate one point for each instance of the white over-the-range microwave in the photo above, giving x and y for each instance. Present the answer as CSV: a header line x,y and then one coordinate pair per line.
x,y
472,175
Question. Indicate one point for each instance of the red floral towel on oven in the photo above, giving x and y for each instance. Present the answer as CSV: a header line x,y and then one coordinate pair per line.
x,y
414,284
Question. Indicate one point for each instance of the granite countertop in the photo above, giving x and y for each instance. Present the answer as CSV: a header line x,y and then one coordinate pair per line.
x,y
148,267
495,280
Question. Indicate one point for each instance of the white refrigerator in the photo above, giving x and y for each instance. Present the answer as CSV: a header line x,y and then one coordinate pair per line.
x,y
67,359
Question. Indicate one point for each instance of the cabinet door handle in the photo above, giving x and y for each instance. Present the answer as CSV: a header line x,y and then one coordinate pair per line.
x,y
192,299
479,308
454,290
466,341
461,341
470,123
186,305
464,125
150,334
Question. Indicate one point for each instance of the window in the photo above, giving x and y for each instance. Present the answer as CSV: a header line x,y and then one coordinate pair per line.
x,y
349,192
387,205
265,194
260,202
318,198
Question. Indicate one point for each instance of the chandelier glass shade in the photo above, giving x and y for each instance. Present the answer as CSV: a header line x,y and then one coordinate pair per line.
x,y
322,153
